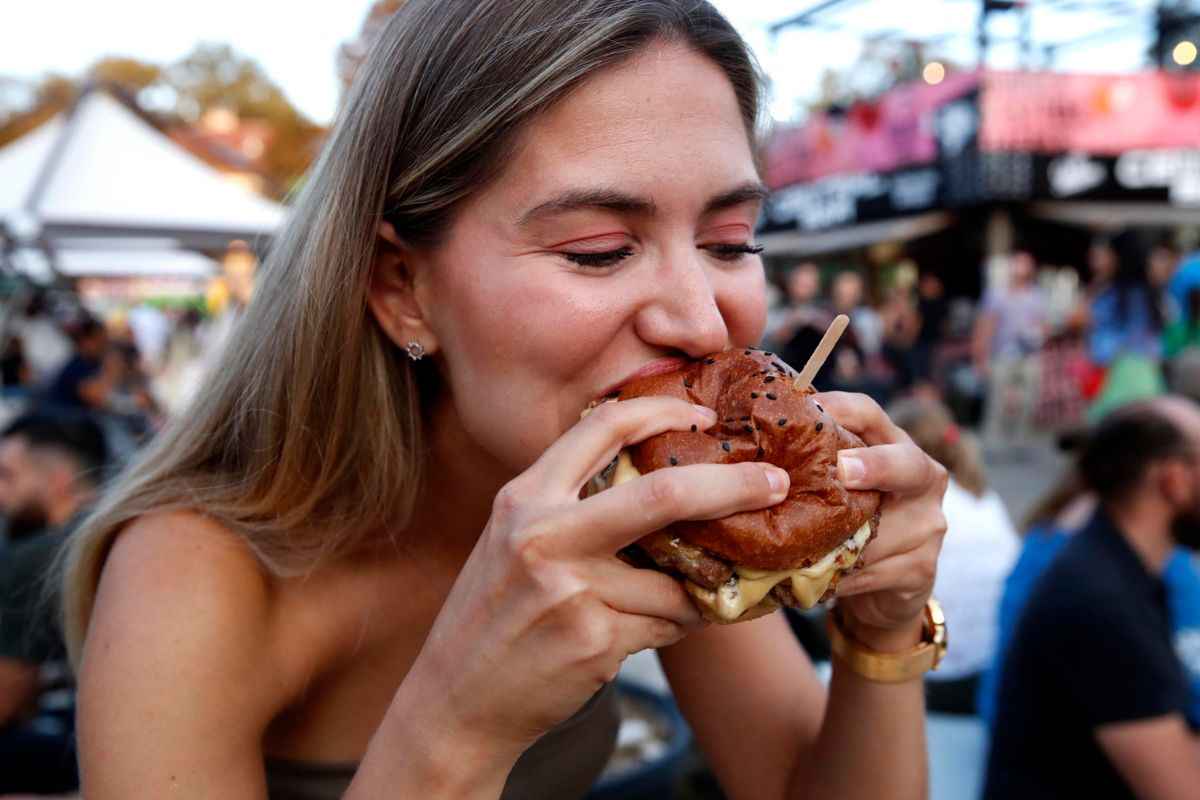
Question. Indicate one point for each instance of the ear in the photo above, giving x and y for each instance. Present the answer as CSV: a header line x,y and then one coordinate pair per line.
x,y
1177,483
393,295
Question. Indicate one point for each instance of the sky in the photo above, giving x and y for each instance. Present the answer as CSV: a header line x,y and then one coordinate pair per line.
x,y
297,46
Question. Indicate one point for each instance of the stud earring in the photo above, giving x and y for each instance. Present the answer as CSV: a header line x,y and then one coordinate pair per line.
x,y
415,350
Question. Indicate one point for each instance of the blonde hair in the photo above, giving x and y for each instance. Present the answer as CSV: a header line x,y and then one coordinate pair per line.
x,y
307,438
933,429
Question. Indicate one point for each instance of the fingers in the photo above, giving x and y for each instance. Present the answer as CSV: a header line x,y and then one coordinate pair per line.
x,y
606,522
862,415
908,572
902,467
591,444
644,592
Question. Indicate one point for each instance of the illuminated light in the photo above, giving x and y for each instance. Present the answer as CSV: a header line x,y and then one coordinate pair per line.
x,y
934,73
1184,53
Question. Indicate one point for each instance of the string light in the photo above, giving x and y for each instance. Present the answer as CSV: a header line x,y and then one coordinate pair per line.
x,y
935,72
1184,53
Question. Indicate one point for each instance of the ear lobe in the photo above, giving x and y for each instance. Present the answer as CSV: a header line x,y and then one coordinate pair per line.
x,y
392,295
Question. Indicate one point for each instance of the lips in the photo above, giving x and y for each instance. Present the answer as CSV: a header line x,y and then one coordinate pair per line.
x,y
657,367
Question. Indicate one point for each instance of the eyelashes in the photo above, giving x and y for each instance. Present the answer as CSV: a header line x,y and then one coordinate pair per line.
x,y
723,252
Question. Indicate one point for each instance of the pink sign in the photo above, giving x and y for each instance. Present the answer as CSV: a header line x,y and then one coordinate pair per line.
x,y
1102,114
896,131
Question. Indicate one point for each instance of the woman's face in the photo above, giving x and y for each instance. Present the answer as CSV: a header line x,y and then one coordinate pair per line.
x,y
610,240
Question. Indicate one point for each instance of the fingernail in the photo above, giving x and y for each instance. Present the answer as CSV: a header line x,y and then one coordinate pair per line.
x,y
706,411
777,479
851,469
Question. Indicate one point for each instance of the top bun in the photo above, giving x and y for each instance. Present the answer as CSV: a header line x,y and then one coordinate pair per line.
x,y
761,416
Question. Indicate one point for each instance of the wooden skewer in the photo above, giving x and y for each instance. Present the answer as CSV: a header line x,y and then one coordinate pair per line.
x,y
817,359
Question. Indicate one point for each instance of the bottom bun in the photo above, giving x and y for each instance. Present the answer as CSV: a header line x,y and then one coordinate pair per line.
x,y
750,594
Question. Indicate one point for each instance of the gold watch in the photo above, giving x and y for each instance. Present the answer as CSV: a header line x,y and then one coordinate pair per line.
x,y
892,667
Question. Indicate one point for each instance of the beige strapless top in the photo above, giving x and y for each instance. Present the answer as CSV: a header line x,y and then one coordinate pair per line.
x,y
562,764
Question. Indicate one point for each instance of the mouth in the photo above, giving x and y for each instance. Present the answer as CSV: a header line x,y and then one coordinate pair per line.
x,y
656,367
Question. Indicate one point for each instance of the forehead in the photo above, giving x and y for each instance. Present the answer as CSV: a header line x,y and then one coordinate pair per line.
x,y
667,116
13,449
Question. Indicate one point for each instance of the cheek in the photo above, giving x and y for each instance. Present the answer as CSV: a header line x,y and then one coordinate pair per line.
x,y
520,351
744,306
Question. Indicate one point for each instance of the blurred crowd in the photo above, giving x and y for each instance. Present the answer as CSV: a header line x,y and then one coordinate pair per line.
x,y
1105,363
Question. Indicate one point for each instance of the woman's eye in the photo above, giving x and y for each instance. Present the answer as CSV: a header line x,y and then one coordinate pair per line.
x,y
596,260
732,252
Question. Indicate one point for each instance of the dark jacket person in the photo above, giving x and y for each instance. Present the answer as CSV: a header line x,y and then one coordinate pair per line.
x,y
1092,696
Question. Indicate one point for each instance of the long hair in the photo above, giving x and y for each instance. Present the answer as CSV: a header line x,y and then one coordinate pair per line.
x,y
932,428
307,438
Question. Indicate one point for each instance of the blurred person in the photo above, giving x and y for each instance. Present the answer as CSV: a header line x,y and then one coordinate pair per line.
x,y
358,565
1161,265
901,327
980,548
804,307
1093,699
46,346
933,308
50,467
88,379
15,373
1009,330
848,296
1102,266
1126,317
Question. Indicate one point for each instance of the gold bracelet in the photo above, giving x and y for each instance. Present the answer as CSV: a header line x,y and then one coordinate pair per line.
x,y
892,667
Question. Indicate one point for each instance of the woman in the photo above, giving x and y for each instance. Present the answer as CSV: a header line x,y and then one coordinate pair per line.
x,y
359,563
980,549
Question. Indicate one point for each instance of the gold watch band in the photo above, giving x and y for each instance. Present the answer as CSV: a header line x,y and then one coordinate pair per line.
x,y
899,667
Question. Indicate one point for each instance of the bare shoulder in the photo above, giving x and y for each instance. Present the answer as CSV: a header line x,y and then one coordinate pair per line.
x,y
178,665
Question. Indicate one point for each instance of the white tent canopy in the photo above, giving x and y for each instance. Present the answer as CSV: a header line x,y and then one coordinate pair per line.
x,y
124,260
101,170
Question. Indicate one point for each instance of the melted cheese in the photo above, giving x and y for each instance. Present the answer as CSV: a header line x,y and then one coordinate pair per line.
x,y
809,584
735,597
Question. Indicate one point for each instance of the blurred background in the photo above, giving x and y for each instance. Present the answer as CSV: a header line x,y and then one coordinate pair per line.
x,y
985,186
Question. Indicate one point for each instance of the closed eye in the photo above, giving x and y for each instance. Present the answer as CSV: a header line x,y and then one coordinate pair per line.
x,y
599,260
733,252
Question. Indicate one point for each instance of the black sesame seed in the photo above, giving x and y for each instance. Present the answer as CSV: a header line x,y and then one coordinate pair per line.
x,y
748,429
769,355
745,419
687,383
674,461
729,419
771,396
819,408
613,395
754,395
710,361
769,378
820,425
760,452
725,446
782,421
747,352
779,366
693,429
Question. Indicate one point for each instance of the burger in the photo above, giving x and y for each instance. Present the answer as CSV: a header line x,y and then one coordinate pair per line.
x,y
750,563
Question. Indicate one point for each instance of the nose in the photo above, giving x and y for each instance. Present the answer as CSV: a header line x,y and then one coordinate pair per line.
x,y
683,312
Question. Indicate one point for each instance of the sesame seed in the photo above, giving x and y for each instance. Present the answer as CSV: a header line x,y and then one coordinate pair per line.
x,y
693,429
729,419
674,461
769,355
771,396
748,429
779,366
769,378
819,408
782,421
725,446
745,419
747,352
760,452
754,395
687,383
820,425
710,361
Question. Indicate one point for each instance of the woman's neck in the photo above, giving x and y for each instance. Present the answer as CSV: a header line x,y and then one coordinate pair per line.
x,y
460,484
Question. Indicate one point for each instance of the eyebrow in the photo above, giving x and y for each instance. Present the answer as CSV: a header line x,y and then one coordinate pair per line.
x,y
612,200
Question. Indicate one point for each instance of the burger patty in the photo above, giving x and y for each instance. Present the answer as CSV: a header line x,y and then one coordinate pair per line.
x,y
694,563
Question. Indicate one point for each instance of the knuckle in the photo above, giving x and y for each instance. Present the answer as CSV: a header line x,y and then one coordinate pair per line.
x,y
530,546
663,493
508,501
597,635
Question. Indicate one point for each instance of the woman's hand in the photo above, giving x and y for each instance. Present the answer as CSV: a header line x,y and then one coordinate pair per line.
x,y
543,613
884,601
